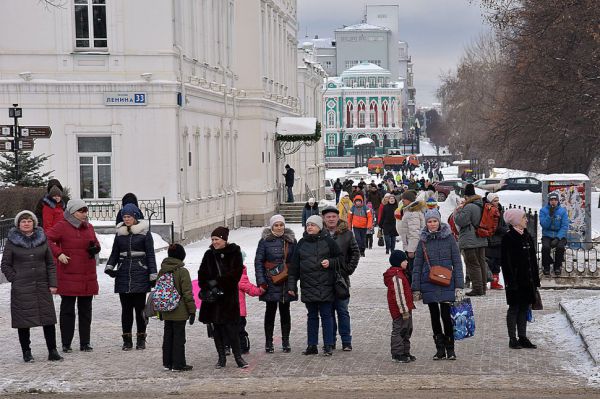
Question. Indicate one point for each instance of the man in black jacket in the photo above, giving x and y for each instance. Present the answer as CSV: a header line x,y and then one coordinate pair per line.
x,y
289,182
339,231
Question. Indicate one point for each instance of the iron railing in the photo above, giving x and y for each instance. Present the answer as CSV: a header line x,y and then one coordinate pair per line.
x,y
106,210
532,219
5,226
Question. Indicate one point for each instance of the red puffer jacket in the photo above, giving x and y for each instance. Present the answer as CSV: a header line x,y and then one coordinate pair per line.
x,y
399,295
72,238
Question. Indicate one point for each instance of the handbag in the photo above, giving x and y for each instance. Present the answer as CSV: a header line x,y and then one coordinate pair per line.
x,y
278,272
380,241
537,305
342,291
438,275
213,293
463,319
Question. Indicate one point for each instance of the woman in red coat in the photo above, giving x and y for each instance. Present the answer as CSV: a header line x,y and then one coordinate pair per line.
x,y
74,243
53,209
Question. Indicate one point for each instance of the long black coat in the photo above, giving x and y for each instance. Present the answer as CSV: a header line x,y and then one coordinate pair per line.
x,y
519,267
225,266
28,265
133,252
344,238
316,282
388,220
270,249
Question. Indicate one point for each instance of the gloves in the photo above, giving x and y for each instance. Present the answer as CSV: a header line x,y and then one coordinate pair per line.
x,y
416,296
459,294
92,249
192,318
110,270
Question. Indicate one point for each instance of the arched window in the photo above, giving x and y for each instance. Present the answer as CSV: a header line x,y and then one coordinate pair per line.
x,y
393,113
349,114
361,114
384,108
331,119
373,120
349,143
375,140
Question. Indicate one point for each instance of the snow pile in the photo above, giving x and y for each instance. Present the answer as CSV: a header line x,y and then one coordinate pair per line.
x,y
583,315
428,149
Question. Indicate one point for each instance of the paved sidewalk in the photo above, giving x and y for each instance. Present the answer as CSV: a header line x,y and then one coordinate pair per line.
x,y
483,361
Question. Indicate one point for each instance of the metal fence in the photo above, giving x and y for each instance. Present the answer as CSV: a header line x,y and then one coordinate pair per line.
x,y
532,219
5,226
106,210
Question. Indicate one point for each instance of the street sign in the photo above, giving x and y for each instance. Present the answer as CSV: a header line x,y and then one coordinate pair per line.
x,y
6,130
37,132
26,144
6,146
126,98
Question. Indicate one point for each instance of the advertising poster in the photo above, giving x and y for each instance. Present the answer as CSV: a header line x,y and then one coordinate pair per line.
x,y
572,198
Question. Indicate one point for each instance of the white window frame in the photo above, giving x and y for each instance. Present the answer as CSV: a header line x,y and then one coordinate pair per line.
x,y
91,38
94,165
331,119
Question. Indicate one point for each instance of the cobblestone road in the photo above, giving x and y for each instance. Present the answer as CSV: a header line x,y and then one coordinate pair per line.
x,y
483,361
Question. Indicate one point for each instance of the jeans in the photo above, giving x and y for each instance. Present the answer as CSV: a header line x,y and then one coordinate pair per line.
x,y
325,309
129,304
290,194
340,307
173,347
516,317
559,253
390,242
337,197
361,238
437,311
67,319
49,336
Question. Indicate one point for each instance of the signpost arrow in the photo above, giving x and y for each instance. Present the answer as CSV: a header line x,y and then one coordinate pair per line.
x,y
37,132
26,144
6,146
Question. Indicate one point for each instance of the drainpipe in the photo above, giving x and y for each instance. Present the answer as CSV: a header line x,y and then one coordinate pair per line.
x,y
179,50
222,137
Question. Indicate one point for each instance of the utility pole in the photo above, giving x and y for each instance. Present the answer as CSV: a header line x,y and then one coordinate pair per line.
x,y
16,113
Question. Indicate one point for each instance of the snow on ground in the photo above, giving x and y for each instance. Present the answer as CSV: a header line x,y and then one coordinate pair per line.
x,y
583,314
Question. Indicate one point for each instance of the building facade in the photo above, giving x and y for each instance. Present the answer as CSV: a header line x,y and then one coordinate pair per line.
x,y
363,102
164,99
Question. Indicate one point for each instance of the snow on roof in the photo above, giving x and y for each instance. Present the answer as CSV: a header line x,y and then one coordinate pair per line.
x,y
325,42
364,27
363,141
289,126
565,176
366,68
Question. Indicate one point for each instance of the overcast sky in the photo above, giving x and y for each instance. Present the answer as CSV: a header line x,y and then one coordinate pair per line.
x,y
437,31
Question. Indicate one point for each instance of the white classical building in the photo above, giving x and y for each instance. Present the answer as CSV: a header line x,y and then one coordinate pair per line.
x,y
173,99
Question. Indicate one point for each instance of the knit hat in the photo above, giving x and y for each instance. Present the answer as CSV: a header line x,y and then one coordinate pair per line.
x,y
329,209
75,204
221,232
316,219
344,194
55,191
358,198
397,257
433,214
431,203
469,190
491,196
176,251
276,218
513,216
26,215
409,195
553,195
131,210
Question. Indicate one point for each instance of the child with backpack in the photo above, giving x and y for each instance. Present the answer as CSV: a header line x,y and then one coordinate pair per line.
x,y
173,298
400,304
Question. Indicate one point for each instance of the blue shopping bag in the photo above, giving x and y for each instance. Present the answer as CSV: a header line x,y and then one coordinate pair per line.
x,y
463,319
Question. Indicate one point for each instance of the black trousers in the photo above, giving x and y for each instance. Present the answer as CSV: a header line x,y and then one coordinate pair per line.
x,y
437,311
174,344
67,319
516,317
129,304
284,318
369,242
49,335
227,334
559,253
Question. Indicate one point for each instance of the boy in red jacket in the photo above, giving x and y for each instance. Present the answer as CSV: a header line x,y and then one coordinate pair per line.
x,y
400,303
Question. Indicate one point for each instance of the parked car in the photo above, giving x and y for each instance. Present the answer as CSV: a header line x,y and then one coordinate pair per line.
x,y
521,183
443,188
491,185
329,192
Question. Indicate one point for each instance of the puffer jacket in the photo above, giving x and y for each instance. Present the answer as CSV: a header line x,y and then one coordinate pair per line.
x,y
308,211
245,287
28,265
555,225
399,294
410,226
494,242
183,285
73,237
344,238
442,251
519,267
52,212
316,282
225,267
270,249
467,218
133,258
344,207
356,217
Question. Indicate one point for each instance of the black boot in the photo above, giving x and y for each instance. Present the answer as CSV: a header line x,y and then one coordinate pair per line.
x,y
526,343
285,345
220,351
27,356
513,343
141,341
127,342
440,347
53,355
285,338
311,350
241,363
449,344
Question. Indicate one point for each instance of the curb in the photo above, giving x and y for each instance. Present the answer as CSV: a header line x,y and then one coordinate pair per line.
x,y
579,333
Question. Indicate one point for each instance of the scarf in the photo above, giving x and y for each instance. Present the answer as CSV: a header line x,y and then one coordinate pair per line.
x,y
519,230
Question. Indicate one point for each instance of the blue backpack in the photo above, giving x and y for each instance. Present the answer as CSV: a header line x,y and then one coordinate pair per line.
x,y
165,297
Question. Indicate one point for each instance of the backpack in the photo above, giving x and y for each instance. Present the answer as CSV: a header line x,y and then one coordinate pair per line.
x,y
452,225
165,297
490,216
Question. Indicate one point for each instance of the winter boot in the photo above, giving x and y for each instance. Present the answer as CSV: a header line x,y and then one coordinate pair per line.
x,y
513,343
141,341
27,356
241,363
439,346
220,351
526,343
495,285
127,342
53,355
449,344
285,337
311,350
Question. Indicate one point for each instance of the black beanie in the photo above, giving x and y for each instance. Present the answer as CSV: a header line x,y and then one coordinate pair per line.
x,y
176,251
397,257
221,232
469,190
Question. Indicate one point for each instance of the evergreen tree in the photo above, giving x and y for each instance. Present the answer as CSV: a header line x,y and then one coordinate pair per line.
x,y
29,169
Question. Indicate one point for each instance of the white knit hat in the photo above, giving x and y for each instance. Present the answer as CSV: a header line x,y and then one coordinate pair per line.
x,y
491,196
31,216
276,218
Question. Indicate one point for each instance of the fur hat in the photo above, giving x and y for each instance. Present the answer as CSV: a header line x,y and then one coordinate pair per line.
x,y
26,215
329,209
409,195
176,251
492,196
513,216
433,214
221,232
469,190
397,257
131,210
276,218
316,219
55,191
75,204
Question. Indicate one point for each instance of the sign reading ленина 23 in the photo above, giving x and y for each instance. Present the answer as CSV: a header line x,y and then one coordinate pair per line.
x,y
126,98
